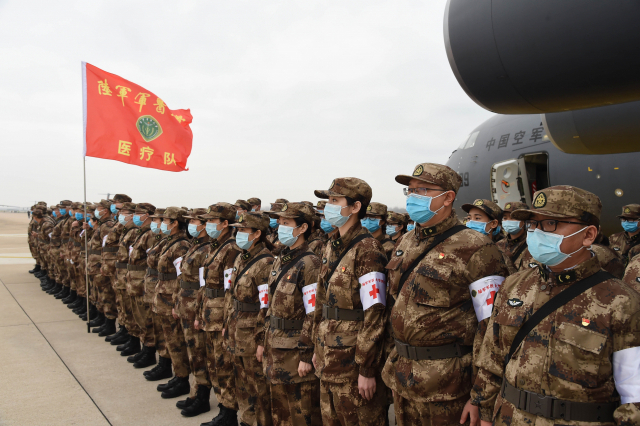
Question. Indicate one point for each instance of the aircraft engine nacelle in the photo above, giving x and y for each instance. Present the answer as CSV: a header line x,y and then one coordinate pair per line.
x,y
527,57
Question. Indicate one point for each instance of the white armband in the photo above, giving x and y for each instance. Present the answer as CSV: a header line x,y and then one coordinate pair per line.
x,y
177,264
483,293
50,233
263,295
227,278
373,289
626,374
201,276
104,240
309,297
130,250
82,233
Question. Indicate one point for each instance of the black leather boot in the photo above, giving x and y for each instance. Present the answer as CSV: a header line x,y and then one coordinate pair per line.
x,y
164,386
81,307
226,417
121,331
47,285
184,403
162,371
97,320
132,348
133,358
147,359
181,387
125,345
200,403
108,328
93,312
41,273
70,298
63,293
35,270
55,289
76,302
122,339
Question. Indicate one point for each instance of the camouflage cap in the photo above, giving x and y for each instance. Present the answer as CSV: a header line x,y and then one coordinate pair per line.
x,y
254,201
145,208
39,211
121,198
128,206
514,205
244,205
437,174
321,204
295,210
158,214
630,211
42,203
351,187
195,214
393,217
175,213
65,203
564,201
309,203
255,220
376,209
77,206
489,207
222,211
281,201
104,203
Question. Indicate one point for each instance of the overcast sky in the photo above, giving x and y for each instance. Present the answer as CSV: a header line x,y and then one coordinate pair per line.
x,y
285,95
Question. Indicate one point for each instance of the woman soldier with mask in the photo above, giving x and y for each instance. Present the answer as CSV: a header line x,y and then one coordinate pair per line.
x,y
288,344
485,217
272,236
249,295
396,226
375,221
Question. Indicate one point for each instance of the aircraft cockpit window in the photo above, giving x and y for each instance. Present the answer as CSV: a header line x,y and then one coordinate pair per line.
x,y
472,140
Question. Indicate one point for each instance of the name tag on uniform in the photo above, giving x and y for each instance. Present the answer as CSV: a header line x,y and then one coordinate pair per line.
x,y
201,276
104,240
130,250
176,264
263,295
227,278
483,294
309,297
373,289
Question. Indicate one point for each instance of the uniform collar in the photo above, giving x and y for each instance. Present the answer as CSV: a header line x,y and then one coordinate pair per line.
x,y
578,273
338,242
144,228
440,227
289,254
516,241
253,250
200,240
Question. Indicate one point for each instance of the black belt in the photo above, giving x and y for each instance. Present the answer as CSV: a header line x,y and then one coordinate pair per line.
x,y
214,293
245,307
152,272
136,267
121,265
167,277
95,251
553,408
452,350
189,285
342,314
77,244
110,249
285,324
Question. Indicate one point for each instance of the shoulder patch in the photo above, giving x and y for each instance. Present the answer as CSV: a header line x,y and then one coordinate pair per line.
x,y
273,273
540,201
515,302
324,260
418,171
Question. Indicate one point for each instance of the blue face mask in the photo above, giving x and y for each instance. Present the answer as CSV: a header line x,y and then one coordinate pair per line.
x,y
242,240
545,246
411,227
79,216
70,213
512,226
97,214
113,209
54,214
154,228
121,219
163,228
497,231
477,226
630,226
371,224
320,211
137,221
392,230
285,235
419,207
326,226
193,230
63,212
333,213
91,223
212,230
253,210
273,223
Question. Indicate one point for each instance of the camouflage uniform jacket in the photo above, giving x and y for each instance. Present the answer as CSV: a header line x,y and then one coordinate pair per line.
x,y
176,247
621,243
109,256
142,243
286,301
316,242
510,247
434,308
218,268
153,256
609,260
65,235
635,250
387,245
99,232
187,300
56,233
632,274
32,226
44,235
244,330
346,349
569,354
127,237
75,242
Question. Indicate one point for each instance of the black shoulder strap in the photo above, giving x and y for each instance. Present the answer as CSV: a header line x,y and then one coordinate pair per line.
x,y
250,264
554,304
518,252
439,238
124,234
169,246
346,250
206,266
286,268
386,240
140,236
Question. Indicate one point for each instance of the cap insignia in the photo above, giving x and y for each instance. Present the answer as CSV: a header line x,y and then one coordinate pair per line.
x,y
478,203
240,219
209,210
284,208
418,171
333,182
540,201
627,210
369,208
508,206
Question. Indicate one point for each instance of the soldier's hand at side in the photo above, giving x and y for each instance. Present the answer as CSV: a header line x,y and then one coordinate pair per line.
x,y
366,387
196,324
259,352
223,330
34,233
313,360
304,369
470,411
173,312
85,225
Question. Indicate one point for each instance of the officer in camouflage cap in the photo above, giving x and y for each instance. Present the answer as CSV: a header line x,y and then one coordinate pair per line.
x,y
485,217
623,242
514,246
242,206
376,222
437,272
574,366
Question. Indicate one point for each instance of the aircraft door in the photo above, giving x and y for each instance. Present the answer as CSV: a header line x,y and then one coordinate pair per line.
x,y
509,182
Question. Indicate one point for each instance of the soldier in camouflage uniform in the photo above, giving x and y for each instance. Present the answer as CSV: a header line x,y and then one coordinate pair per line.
x,y
632,274
514,246
376,222
218,267
72,253
242,206
288,344
79,237
567,368
31,240
439,271
65,253
349,321
249,294
40,235
256,204
55,248
624,241
396,227
273,227
485,216
176,246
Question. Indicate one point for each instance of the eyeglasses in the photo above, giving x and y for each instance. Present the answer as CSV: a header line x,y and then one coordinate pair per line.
x,y
547,225
420,191
628,220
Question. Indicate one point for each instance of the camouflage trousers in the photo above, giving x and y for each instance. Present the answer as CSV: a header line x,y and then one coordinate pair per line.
x,y
411,412
197,352
106,297
55,264
81,278
158,335
342,405
143,320
220,369
65,271
296,404
252,391
71,272
176,346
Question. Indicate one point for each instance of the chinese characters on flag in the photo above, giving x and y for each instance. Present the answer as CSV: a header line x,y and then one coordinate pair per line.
x,y
127,123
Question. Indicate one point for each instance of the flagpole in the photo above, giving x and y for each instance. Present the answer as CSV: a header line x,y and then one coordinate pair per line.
x,y
83,66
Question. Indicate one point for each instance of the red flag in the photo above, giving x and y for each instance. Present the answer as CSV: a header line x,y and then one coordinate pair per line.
x,y
127,123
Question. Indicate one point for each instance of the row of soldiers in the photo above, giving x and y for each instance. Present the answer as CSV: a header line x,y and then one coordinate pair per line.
x,y
517,316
